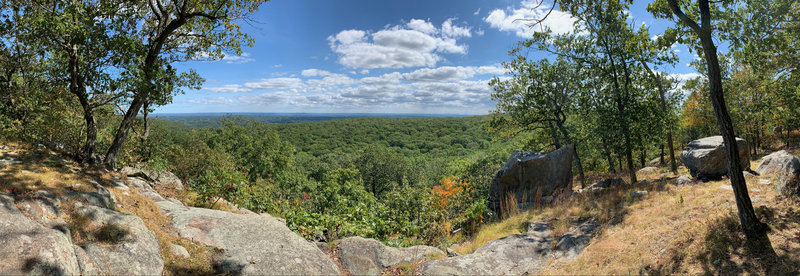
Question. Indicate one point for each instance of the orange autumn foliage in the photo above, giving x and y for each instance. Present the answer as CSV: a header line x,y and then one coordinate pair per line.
x,y
449,188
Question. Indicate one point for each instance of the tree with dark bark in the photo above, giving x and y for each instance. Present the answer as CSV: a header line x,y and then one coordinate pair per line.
x,y
702,30
174,31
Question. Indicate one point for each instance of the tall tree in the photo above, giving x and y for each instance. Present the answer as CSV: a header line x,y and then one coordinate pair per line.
x,y
702,30
89,41
539,95
175,31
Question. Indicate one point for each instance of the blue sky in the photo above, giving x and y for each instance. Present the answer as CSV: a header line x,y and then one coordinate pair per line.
x,y
368,56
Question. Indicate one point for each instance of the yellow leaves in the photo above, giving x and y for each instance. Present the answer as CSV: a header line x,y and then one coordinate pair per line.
x,y
450,186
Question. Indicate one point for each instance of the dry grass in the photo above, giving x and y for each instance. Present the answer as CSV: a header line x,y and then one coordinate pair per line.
x,y
199,262
692,229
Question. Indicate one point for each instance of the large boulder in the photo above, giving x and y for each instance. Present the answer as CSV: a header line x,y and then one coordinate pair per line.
x,y
30,248
786,167
706,159
520,254
124,245
527,173
362,256
158,178
252,244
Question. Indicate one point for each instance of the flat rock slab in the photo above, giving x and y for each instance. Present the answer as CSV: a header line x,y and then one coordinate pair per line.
x,y
27,247
253,244
129,249
519,254
362,256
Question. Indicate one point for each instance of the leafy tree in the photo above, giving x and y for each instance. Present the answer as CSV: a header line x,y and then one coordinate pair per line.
x,y
702,29
174,31
540,95
380,169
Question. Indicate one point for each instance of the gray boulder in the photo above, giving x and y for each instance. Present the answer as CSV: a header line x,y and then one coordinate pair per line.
x,y
252,244
706,159
144,187
683,180
786,167
362,256
520,254
101,197
608,183
165,178
525,173
124,245
27,247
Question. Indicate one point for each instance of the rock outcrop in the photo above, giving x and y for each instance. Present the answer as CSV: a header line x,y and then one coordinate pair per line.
x,y
706,159
27,247
157,177
126,247
520,254
786,167
608,183
253,244
362,256
527,175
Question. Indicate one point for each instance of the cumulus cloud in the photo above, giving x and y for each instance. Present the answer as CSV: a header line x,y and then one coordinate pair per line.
x,y
264,98
294,84
514,19
228,88
417,43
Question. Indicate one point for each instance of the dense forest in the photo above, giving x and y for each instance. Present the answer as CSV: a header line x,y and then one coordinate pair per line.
x,y
85,76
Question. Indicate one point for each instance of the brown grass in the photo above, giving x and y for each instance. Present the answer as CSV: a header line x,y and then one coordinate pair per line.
x,y
691,229
199,262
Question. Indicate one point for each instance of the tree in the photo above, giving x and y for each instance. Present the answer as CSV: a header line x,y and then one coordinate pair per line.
x,y
380,169
539,95
175,31
87,48
703,31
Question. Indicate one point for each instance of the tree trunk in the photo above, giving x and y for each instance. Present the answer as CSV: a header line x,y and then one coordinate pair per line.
x,y
661,156
753,228
609,158
78,88
663,101
122,133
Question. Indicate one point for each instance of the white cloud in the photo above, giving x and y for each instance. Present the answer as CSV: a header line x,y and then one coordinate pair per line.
x,y
211,100
315,73
477,12
450,30
264,98
421,26
364,72
228,88
233,59
293,84
417,43
517,20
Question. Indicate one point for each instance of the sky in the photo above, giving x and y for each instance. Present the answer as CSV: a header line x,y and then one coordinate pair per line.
x,y
369,56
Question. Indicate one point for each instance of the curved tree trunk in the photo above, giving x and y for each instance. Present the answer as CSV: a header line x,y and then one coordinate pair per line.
x,y
78,88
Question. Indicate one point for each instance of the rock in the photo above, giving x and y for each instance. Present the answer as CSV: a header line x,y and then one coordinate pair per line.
x,y
144,188
452,253
764,181
512,255
786,167
706,159
119,184
158,178
526,173
655,162
726,187
43,207
683,180
571,244
124,245
747,173
27,247
9,160
608,183
648,170
102,197
179,250
637,194
362,256
252,244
